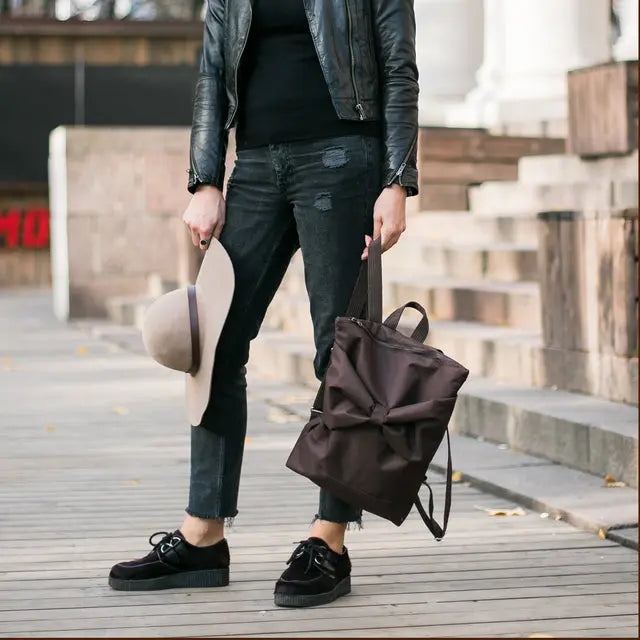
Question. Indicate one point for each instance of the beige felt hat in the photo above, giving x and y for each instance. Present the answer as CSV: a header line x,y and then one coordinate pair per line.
x,y
181,328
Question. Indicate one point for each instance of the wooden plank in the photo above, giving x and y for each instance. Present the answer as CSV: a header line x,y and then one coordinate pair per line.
x,y
443,197
479,146
465,172
367,566
73,596
570,249
624,286
243,602
39,608
603,109
550,261
616,626
67,526
280,621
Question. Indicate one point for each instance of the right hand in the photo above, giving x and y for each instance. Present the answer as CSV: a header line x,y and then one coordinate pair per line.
x,y
205,215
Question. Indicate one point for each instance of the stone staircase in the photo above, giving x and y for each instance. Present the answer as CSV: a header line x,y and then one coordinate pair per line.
x,y
452,160
130,310
477,275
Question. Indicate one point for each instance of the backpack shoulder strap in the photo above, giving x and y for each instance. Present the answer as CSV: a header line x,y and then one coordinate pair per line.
x,y
438,531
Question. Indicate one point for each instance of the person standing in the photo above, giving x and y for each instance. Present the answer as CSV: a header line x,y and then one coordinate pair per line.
x,y
324,98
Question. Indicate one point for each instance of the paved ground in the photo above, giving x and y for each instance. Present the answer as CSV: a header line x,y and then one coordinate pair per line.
x,y
94,458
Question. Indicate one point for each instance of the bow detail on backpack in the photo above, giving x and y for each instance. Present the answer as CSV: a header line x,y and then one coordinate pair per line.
x,y
350,405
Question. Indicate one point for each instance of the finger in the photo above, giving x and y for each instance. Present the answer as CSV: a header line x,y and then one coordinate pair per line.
x,y
217,230
367,241
377,226
205,236
195,237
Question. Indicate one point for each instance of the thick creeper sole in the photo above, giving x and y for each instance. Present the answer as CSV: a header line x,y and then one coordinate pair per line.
x,y
288,600
185,580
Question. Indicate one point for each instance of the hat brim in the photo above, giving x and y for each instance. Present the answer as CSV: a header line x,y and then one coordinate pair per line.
x,y
214,291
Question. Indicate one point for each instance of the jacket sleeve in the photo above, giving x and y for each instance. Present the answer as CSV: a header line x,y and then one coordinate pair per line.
x,y
208,146
394,33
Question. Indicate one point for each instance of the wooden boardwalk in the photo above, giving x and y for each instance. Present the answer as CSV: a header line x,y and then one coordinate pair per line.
x,y
94,458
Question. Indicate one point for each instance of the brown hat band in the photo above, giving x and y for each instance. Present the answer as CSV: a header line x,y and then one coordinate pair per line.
x,y
195,329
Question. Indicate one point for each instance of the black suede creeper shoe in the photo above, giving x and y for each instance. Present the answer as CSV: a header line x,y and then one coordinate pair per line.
x,y
173,563
316,575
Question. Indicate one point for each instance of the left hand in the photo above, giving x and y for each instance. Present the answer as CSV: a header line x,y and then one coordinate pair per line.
x,y
389,217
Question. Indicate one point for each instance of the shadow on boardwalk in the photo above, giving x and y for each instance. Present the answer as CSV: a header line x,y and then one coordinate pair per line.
x,y
95,458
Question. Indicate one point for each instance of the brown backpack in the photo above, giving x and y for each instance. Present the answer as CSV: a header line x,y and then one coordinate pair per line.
x,y
382,409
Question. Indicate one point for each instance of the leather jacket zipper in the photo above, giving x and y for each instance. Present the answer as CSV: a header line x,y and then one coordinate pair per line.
x,y
358,106
235,87
403,164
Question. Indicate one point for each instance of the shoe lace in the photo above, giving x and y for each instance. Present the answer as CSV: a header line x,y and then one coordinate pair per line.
x,y
317,556
166,543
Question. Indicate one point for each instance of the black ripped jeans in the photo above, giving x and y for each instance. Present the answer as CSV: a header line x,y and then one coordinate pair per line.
x,y
314,195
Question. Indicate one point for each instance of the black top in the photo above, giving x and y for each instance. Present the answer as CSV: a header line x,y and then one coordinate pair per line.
x,y
281,89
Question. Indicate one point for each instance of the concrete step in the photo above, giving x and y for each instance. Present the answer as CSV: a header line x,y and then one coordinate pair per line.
x,y
497,352
442,197
465,172
465,227
500,353
501,262
477,145
128,310
513,304
525,199
581,432
569,169
534,482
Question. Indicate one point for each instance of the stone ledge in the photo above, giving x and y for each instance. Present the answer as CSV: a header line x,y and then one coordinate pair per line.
x,y
582,432
538,484
568,494
585,433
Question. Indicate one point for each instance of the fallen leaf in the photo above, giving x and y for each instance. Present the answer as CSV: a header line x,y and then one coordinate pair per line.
x,y
280,416
602,534
82,351
615,484
50,428
503,512
129,482
121,411
456,476
609,478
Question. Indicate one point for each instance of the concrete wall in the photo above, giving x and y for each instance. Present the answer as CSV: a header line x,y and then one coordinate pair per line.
x,y
117,198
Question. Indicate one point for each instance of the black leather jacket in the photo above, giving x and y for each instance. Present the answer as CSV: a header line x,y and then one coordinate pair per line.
x,y
367,52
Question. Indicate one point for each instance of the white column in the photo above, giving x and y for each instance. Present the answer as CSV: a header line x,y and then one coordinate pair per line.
x,y
479,106
626,47
449,51
539,41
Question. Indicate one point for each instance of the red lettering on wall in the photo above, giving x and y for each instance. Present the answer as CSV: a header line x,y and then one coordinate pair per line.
x,y
10,228
35,228
26,229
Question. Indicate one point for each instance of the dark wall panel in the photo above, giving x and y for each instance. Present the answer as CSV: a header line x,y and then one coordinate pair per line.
x,y
139,95
34,99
